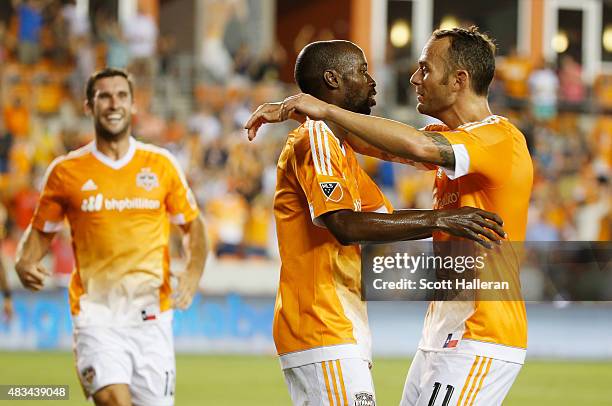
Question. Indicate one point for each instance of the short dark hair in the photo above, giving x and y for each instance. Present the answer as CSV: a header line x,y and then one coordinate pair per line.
x,y
316,58
106,73
473,51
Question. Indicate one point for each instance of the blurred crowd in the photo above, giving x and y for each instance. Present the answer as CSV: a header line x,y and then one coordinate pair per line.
x,y
47,51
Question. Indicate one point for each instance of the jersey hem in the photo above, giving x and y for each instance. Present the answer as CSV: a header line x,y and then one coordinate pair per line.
x,y
484,349
320,354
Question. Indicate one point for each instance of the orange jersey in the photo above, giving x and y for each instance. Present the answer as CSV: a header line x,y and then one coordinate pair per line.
x,y
119,214
493,171
319,314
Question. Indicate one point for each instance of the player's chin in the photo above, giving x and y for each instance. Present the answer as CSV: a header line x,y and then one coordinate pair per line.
x,y
366,109
112,132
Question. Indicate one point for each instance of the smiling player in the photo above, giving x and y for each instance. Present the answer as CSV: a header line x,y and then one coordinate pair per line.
x,y
118,195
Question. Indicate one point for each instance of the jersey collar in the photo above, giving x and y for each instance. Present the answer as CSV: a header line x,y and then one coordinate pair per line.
x,y
120,163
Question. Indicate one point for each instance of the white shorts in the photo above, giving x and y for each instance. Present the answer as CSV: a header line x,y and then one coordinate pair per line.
x,y
140,356
343,382
451,379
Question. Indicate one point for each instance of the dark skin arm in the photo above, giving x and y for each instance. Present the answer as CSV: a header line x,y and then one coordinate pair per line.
x,y
351,227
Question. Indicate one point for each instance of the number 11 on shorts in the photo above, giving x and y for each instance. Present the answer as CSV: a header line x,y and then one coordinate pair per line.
x,y
434,394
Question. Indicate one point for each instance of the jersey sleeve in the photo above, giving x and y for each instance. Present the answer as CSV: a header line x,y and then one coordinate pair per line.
x,y
180,201
318,164
480,149
51,208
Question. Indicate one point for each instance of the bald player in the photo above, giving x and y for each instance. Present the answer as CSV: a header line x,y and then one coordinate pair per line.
x,y
470,352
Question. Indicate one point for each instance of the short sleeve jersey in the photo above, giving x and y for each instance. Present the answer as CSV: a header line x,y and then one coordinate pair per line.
x,y
119,214
319,313
493,171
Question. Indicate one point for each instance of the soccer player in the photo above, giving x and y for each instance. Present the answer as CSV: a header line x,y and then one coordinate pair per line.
x,y
119,196
470,352
324,206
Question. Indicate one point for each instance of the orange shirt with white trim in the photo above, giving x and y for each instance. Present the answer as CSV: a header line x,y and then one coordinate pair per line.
x,y
493,171
119,214
319,314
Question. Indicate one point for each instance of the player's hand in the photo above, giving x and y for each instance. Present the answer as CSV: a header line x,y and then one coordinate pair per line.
x,y
475,224
8,309
304,104
31,275
295,107
188,283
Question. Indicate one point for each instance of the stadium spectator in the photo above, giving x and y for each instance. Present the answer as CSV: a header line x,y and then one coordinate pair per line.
x,y
6,143
572,91
30,21
543,91
117,52
140,32
17,117
514,71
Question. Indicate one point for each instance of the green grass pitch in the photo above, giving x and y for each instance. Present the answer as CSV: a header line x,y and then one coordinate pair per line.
x,y
255,380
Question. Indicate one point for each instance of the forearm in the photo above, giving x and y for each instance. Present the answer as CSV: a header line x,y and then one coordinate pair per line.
x,y
362,227
387,135
4,287
363,148
196,246
33,246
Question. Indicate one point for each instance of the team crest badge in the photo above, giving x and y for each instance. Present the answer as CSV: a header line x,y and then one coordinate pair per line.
x,y
147,179
88,374
332,190
364,399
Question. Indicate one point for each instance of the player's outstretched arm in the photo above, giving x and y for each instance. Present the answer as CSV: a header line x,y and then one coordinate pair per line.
x,y
7,307
197,251
33,246
351,227
270,113
392,137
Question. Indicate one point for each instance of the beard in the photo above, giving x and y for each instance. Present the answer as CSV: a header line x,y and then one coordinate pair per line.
x,y
109,135
357,104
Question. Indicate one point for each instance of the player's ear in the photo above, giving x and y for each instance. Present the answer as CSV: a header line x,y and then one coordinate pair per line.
x,y
332,78
87,107
462,79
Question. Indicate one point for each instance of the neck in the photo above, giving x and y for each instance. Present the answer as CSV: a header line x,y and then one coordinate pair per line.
x,y
338,131
114,149
467,110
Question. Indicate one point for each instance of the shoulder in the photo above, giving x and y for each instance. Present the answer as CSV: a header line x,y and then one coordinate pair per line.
x,y
70,160
315,138
162,158
492,130
157,153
